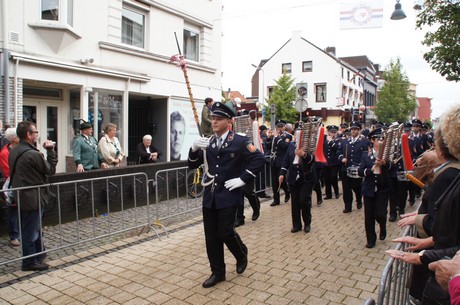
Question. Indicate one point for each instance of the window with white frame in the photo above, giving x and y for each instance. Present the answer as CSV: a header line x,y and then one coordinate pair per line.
x,y
132,27
320,91
57,10
307,66
191,44
286,68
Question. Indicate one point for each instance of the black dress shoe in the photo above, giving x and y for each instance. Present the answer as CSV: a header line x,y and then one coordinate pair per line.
x,y
370,245
294,230
327,197
319,202
346,211
241,265
264,196
274,203
213,280
383,235
307,229
337,196
255,215
359,205
287,197
392,219
35,267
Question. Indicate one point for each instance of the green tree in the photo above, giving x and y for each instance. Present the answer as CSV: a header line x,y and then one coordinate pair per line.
x,y
443,41
395,102
283,97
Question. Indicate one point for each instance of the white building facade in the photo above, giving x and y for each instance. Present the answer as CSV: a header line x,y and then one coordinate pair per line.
x,y
335,88
108,61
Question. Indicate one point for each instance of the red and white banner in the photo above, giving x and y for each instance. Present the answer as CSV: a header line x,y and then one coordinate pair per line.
x,y
360,14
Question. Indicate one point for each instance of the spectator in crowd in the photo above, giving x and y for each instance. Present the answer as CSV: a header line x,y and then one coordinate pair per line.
x,y
29,168
442,232
206,118
177,135
84,149
13,230
146,151
448,276
110,147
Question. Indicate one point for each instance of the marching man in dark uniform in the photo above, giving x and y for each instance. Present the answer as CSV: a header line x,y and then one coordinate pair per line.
x,y
230,162
301,179
350,153
331,169
375,189
280,144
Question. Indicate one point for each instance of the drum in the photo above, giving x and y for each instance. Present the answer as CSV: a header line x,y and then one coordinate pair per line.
x,y
352,172
401,176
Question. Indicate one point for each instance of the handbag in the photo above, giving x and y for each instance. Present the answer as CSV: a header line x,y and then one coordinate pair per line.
x,y
9,195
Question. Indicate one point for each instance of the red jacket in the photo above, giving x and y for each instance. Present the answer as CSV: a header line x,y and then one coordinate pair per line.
x,y
4,166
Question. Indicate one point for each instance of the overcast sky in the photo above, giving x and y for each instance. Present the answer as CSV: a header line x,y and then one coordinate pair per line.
x,y
255,29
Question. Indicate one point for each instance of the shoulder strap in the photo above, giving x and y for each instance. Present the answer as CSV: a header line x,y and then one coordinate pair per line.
x,y
14,165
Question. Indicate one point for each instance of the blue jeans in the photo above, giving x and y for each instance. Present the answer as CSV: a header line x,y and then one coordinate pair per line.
x,y
13,229
31,236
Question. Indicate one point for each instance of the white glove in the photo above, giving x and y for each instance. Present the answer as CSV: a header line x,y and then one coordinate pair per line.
x,y
234,183
200,143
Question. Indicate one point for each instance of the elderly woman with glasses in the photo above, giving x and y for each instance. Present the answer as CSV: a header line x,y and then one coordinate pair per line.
x,y
110,147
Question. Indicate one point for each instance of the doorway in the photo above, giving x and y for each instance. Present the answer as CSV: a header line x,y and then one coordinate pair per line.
x,y
47,116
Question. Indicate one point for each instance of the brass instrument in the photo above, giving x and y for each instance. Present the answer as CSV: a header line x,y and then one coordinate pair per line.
x,y
307,136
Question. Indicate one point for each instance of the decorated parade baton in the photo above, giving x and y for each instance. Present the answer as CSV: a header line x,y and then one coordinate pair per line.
x,y
180,60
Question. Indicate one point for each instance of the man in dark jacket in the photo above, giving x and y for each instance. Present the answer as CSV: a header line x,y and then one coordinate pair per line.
x,y
29,167
231,162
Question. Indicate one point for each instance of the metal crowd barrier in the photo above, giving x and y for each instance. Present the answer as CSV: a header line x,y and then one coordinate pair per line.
x,y
393,286
85,210
178,191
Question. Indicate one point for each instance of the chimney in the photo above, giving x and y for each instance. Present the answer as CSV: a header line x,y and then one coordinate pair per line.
x,y
330,50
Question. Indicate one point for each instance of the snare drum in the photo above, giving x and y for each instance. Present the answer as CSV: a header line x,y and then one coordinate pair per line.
x,y
352,172
401,176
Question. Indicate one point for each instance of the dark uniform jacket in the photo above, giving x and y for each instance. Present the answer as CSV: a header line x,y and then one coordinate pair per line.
x,y
144,156
298,173
373,183
31,169
353,152
330,150
237,158
280,145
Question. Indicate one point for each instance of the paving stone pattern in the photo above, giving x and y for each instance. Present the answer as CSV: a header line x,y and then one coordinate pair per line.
x,y
329,265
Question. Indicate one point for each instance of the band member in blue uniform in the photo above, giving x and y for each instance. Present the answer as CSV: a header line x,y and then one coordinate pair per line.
x,y
375,190
280,144
331,169
301,179
231,161
350,153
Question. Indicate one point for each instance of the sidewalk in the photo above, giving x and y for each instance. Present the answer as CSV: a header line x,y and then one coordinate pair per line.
x,y
329,265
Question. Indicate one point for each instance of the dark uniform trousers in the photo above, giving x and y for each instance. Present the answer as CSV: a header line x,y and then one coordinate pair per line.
x,y
330,180
375,209
275,172
219,229
405,188
301,203
350,186
395,203
248,192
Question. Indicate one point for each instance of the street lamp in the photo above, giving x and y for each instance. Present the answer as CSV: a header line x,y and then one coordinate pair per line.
x,y
398,14
261,85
